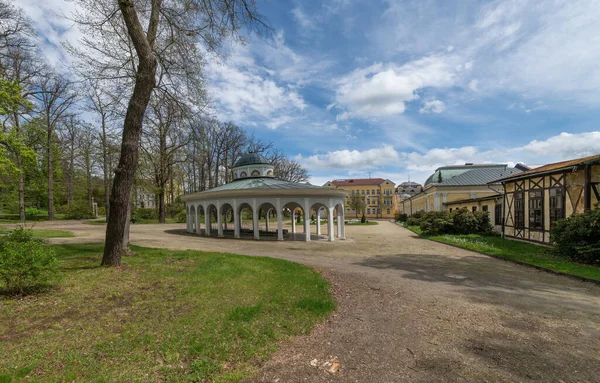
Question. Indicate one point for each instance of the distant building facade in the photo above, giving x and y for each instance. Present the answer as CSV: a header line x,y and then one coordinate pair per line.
x,y
536,199
144,199
469,186
377,193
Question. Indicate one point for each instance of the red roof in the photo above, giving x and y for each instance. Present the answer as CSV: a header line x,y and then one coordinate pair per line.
x,y
358,182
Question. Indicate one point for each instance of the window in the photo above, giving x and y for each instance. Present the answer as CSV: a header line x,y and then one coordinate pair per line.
x,y
450,209
368,201
557,205
536,210
498,214
362,192
243,174
474,209
367,191
255,173
519,210
377,191
352,192
484,208
368,211
388,211
373,191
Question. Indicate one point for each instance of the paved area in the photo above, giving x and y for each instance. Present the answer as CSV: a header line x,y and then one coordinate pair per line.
x,y
412,310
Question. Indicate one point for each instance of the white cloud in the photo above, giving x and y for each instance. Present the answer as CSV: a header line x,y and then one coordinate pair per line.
x,y
384,90
433,106
387,162
351,159
303,19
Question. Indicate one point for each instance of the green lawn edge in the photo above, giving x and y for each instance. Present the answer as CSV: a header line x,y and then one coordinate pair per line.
x,y
178,315
43,233
523,253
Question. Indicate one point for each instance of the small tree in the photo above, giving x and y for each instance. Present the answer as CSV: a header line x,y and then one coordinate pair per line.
x,y
440,179
357,204
363,218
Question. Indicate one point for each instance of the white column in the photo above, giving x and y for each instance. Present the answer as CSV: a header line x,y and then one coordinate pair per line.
x,y
342,224
307,219
255,219
197,220
236,220
219,220
339,222
294,220
330,224
279,221
188,219
319,221
207,220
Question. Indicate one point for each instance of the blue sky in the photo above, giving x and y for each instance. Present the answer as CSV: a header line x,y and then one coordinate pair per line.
x,y
398,88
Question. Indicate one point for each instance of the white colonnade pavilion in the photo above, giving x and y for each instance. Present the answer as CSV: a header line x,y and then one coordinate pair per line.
x,y
257,195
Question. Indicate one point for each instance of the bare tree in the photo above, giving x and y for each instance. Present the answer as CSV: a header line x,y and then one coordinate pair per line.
x,y
172,31
56,96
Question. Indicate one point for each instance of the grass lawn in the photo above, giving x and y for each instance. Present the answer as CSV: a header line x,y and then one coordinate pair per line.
x,y
42,233
515,250
361,224
164,316
14,218
137,222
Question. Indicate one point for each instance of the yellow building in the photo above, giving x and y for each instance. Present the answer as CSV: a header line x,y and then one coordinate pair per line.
x,y
376,193
462,186
537,198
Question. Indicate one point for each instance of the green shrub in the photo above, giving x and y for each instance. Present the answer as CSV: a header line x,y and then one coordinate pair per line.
x,y
419,214
181,216
32,212
578,237
401,217
102,210
412,221
145,213
363,219
26,263
79,210
459,221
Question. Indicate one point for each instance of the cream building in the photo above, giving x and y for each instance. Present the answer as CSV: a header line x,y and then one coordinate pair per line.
x,y
377,193
467,186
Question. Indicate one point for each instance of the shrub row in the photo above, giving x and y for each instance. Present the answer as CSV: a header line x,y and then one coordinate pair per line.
x,y
578,237
459,221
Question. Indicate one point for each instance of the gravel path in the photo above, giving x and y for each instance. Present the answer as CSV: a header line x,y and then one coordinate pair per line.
x,y
412,310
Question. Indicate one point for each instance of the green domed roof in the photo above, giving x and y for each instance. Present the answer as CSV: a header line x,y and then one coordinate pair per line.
x,y
251,159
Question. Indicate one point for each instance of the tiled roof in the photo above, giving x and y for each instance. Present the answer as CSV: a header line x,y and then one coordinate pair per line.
x,y
358,182
556,166
454,170
479,176
262,183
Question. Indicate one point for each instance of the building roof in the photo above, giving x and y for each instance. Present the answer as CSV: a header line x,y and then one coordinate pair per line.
x,y
408,184
479,176
251,159
448,172
262,183
358,182
555,167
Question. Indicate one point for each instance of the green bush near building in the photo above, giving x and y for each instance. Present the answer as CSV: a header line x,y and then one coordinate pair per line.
x,y
578,237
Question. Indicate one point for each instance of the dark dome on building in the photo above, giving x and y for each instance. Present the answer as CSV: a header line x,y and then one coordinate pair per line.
x,y
251,159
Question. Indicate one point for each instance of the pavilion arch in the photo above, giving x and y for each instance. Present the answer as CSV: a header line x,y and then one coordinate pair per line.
x,y
199,218
258,195
339,214
320,211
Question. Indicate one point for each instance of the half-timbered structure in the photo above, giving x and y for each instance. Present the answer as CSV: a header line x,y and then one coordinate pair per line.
x,y
536,199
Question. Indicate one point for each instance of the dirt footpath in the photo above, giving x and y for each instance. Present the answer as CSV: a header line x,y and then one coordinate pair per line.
x,y
412,310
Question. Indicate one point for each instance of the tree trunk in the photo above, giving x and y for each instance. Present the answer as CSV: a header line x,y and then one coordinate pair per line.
x,y
161,205
172,195
21,175
120,198
50,170
105,167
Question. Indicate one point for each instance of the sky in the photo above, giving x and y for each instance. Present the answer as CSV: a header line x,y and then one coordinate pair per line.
x,y
395,89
